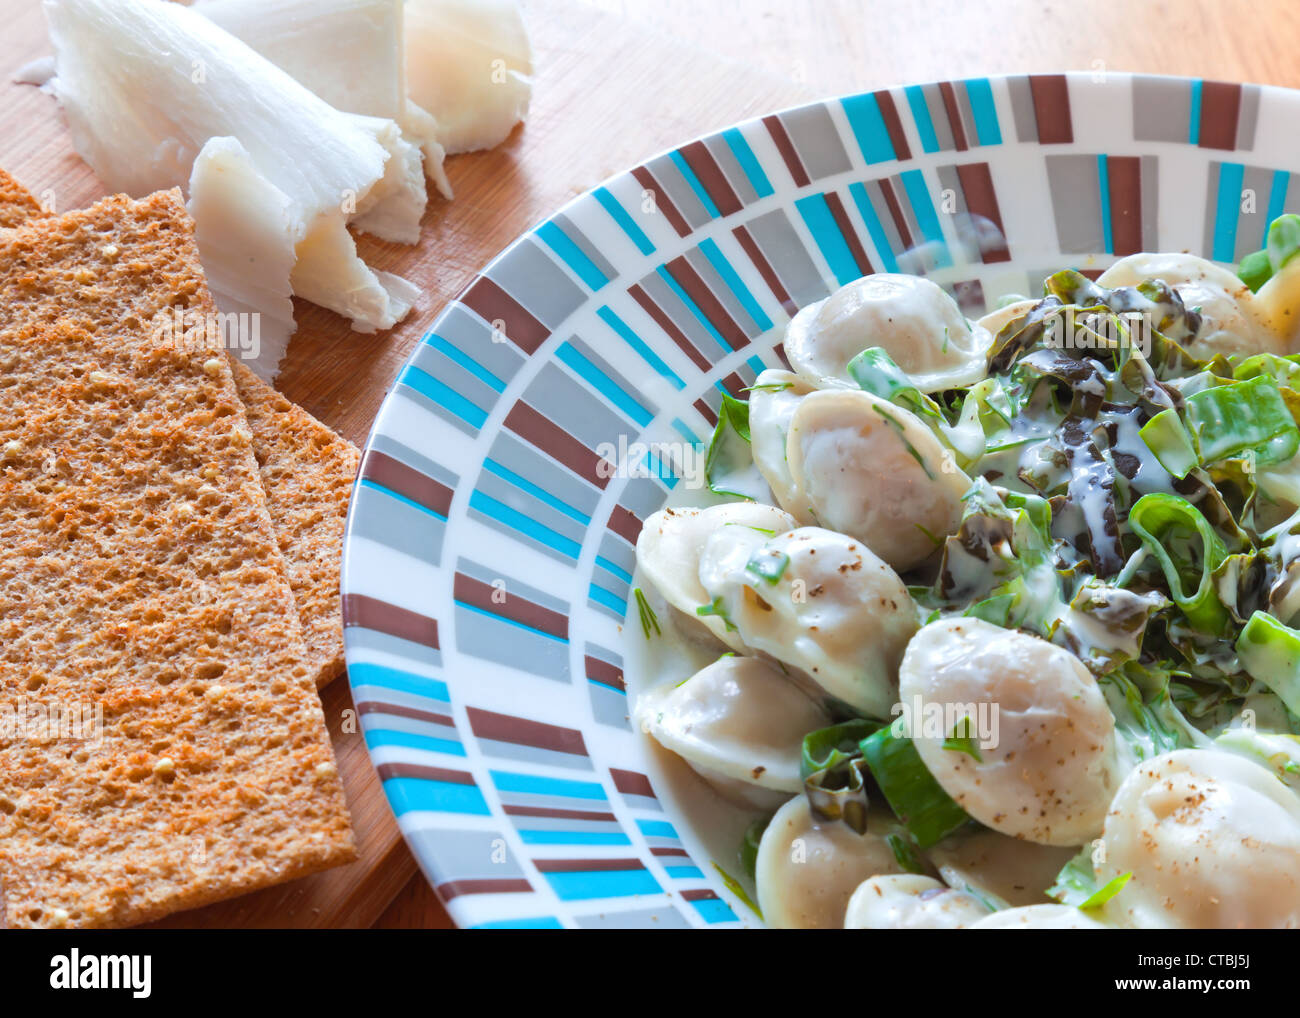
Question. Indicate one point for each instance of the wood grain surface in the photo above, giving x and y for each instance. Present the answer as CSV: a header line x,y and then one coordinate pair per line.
x,y
618,81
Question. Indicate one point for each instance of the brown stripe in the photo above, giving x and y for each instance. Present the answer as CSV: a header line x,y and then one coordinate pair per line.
x,y
896,213
669,326
522,732
779,350
625,523
402,711
372,613
850,235
491,303
1093,274
670,853
765,269
541,431
954,115
735,385
1052,108
405,770
1124,175
397,476
688,279
706,411
494,885
559,814
1220,108
701,160
662,202
499,601
981,200
786,147
632,783
587,865
703,894
893,125
603,671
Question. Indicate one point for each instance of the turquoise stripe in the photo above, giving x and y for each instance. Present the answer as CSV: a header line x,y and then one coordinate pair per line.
x,y
1276,201
364,673
411,740
447,398
1103,189
638,344
406,795
540,923
869,128
616,570
602,884
573,838
657,828
605,686
1194,115
817,214
516,520
532,784
539,493
980,93
673,285
610,600
921,114
684,872
729,276
748,161
660,470
510,622
573,256
457,355
686,432
684,168
756,365
367,483
1225,212
714,910
603,384
619,214
878,236
918,195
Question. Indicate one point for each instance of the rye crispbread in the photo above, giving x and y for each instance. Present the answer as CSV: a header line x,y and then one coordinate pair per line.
x,y
307,471
142,575
17,204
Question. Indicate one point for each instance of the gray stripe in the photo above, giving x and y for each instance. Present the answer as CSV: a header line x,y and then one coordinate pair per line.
x,y
464,855
567,824
643,496
606,610
939,117
1150,170
1247,117
1250,225
456,378
361,640
529,275
497,640
1022,108
463,329
723,292
414,460
397,525
535,509
1211,203
660,842
395,723
513,587
620,554
645,802
731,168
423,401
616,377
909,214
962,91
1291,200
574,408
876,196
584,245
398,698
529,463
781,245
680,193
1076,203
612,657
812,131
551,801
533,755
665,918
1162,109
516,535
967,237
608,706
682,317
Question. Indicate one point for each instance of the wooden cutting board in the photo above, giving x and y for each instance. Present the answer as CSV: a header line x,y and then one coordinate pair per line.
x,y
607,95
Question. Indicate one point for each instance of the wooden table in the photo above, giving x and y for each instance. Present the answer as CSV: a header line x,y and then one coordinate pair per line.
x,y
617,81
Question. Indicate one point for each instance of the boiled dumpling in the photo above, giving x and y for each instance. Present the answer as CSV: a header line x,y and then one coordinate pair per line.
x,y
775,396
739,723
807,869
1052,769
1232,319
912,318
819,602
1000,868
1040,917
909,901
999,318
669,546
870,469
1212,840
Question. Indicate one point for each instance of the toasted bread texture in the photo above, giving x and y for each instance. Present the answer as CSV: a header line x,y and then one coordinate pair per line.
x,y
143,589
307,471
17,205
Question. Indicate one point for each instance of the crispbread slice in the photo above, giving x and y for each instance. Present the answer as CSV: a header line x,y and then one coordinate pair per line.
x,y
142,577
307,471
17,205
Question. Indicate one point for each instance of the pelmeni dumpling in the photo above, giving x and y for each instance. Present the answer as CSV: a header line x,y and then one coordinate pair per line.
x,y
669,547
872,470
999,868
912,318
739,723
1212,840
1052,768
773,399
819,602
808,869
999,318
1232,319
909,901
1040,917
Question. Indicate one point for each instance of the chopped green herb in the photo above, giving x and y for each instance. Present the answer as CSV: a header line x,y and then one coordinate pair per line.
x,y
649,620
